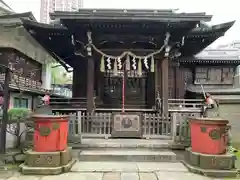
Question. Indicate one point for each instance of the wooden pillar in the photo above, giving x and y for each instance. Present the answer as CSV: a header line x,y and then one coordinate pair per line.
x,y
178,81
90,76
158,80
164,77
79,88
6,96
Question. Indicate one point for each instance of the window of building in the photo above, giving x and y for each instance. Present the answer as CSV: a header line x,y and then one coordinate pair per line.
x,y
214,75
20,102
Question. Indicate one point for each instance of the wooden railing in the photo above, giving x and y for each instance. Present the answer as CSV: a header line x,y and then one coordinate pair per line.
x,y
68,103
153,125
175,105
185,103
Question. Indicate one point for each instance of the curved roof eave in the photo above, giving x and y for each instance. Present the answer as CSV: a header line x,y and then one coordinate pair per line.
x,y
19,15
200,35
129,14
50,27
219,27
196,36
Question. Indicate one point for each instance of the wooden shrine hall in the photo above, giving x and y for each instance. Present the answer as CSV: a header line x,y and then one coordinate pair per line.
x,y
127,59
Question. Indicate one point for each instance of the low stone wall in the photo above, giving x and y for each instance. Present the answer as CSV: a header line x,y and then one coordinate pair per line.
x,y
231,112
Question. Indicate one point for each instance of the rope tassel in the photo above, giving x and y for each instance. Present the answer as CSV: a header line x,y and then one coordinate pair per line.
x,y
140,67
152,64
102,66
115,68
128,64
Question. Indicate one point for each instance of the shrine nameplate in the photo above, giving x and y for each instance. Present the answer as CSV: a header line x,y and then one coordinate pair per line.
x,y
126,125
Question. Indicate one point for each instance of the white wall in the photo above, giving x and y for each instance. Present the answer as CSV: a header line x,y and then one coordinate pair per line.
x,y
11,139
46,76
24,95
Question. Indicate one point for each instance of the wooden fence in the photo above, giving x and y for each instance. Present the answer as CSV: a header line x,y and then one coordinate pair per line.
x,y
99,125
180,127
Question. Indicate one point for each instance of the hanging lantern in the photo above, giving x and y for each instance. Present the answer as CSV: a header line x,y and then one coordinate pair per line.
x,y
109,63
152,64
115,68
128,68
140,67
102,65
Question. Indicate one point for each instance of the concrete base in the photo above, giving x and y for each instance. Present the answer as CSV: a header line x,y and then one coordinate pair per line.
x,y
211,172
210,165
47,163
26,170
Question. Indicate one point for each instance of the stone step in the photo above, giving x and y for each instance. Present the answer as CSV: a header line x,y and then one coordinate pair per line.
x,y
128,155
126,143
139,167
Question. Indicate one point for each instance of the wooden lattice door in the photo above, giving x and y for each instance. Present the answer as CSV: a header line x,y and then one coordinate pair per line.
x,y
171,83
135,87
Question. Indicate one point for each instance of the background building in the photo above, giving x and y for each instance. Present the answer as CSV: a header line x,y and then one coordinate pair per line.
x,y
48,6
4,8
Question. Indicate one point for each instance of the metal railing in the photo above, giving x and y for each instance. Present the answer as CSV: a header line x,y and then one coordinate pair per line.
x,y
62,91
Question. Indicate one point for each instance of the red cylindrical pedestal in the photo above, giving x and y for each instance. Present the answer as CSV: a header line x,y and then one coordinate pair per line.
x,y
209,136
50,134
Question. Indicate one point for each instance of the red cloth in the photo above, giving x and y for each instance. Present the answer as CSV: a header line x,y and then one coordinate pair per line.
x,y
1,100
46,99
209,101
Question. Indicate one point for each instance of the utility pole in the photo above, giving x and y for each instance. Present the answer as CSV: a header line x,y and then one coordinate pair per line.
x,y
5,111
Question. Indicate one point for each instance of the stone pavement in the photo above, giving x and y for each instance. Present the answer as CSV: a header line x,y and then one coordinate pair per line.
x,y
115,171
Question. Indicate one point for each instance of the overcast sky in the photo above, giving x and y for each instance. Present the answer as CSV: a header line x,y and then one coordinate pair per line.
x,y
222,10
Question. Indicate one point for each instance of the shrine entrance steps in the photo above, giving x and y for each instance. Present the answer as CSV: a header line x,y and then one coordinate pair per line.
x,y
126,150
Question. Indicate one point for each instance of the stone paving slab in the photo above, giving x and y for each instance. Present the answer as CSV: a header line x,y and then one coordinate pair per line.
x,y
104,167
115,171
180,176
127,167
148,176
75,176
152,167
112,176
129,176
115,176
